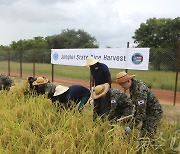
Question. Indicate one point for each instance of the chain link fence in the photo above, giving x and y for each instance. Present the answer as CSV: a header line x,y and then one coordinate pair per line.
x,y
165,62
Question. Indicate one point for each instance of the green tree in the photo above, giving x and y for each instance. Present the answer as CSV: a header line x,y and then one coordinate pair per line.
x,y
72,39
4,52
27,48
18,48
37,50
162,36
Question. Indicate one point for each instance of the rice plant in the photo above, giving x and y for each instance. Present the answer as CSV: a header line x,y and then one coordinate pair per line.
x,y
31,124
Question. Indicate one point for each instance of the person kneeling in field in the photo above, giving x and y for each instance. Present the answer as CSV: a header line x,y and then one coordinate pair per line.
x,y
147,107
5,82
30,81
113,103
43,86
75,93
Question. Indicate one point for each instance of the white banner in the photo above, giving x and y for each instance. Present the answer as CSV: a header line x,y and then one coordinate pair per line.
x,y
123,58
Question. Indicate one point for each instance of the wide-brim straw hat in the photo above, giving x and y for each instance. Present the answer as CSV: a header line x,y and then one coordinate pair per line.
x,y
90,61
40,81
123,77
100,90
60,90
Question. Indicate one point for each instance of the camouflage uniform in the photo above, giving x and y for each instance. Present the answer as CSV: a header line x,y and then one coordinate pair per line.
x,y
114,105
50,90
148,109
5,82
47,89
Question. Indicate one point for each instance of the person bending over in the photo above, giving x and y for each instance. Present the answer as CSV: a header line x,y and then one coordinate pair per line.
x,y
147,107
75,93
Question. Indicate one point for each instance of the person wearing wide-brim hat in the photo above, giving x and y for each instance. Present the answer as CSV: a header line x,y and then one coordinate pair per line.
x,y
148,108
43,86
99,71
113,103
100,74
73,94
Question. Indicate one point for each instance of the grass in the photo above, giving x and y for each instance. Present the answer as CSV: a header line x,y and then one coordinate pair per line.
x,y
33,125
171,113
156,79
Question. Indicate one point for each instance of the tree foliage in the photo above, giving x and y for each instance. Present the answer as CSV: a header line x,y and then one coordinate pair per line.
x,y
72,39
38,48
4,52
26,48
162,36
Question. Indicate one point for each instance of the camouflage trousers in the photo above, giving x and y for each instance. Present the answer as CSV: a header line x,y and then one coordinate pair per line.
x,y
149,126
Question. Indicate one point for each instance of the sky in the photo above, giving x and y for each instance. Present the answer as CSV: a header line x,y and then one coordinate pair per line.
x,y
111,22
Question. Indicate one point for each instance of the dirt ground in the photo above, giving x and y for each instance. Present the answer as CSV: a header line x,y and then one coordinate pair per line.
x,y
165,96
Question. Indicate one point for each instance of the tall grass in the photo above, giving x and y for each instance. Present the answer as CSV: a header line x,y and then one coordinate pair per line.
x,y
156,79
33,125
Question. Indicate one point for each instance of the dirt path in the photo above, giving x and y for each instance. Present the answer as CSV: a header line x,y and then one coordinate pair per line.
x,y
165,96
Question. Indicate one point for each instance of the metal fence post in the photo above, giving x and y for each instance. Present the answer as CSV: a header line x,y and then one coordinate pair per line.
x,y
126,70
177,70
33,63
91,81
21,64
9,56
52,72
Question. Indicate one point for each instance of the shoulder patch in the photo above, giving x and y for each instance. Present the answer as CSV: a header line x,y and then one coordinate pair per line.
x,y
141,102
113,101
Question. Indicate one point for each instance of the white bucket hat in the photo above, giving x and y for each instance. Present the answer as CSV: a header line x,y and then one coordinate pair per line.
x,y
60,90
100,90
90,61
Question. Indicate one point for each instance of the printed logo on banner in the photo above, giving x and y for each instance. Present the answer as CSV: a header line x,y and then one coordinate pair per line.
x,y
55,56
137,58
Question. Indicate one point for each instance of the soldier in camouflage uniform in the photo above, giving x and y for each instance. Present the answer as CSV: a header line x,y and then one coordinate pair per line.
x,y
113,103
43,86
147,107
5,82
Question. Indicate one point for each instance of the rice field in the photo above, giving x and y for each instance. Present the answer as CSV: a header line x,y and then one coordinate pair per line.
x,y
33,125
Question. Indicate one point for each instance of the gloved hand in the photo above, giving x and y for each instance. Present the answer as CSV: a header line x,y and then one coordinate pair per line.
x,y
127,130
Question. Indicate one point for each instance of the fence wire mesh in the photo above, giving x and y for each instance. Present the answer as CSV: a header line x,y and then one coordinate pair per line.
x,y
162,73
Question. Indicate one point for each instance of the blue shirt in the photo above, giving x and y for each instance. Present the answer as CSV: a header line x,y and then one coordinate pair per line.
x,y
100,73
74,93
